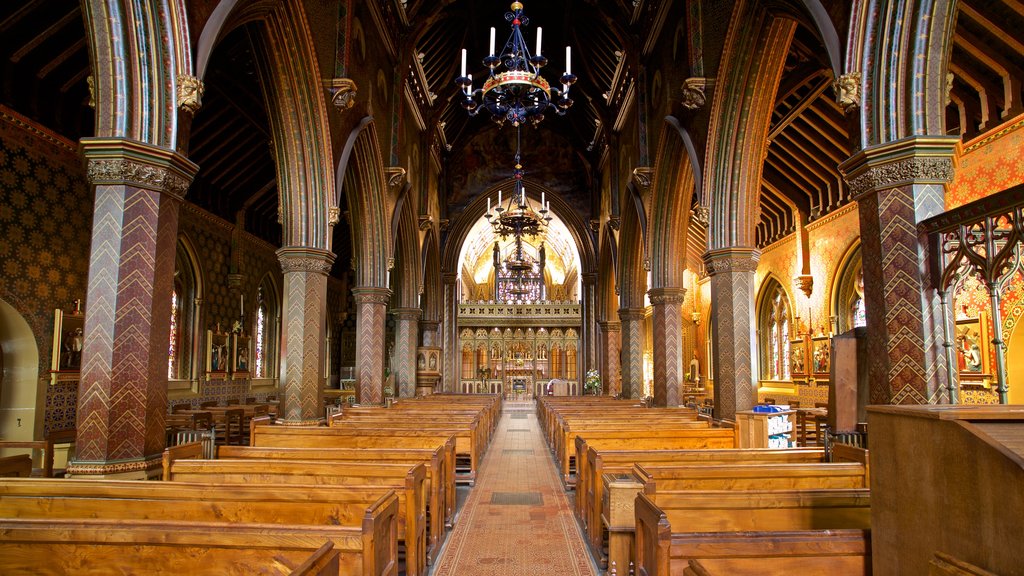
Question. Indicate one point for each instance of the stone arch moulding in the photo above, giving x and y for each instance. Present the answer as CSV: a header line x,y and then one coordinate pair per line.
x,y
296,104
361,167
675,184
608,289
631,273
430,277
24,393
475,210
405,237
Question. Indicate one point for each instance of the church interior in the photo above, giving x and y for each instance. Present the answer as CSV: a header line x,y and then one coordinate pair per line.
x,y
474,287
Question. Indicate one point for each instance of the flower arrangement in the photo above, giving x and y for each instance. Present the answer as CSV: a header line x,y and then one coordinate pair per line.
x,y
592,382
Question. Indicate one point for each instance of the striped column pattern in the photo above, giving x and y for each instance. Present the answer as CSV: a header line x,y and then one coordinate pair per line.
x,y
371,314
898,185
450,329
734,327
632,320
611,343
669,363
303,332
122,395
406,336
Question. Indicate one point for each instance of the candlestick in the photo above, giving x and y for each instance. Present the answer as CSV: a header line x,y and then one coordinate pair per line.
x,y
499,198
542,198
488,205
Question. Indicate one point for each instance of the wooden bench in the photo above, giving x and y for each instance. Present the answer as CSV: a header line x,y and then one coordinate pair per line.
x,y
409,481
44,446
804,552
673,528
440,487
90,546
751,476
17,466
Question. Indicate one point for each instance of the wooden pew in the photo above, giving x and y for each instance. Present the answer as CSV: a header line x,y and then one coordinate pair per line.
x,y
751,476
673,528
438,485
18,466
409,481
326,560
89,547
44,446
804,552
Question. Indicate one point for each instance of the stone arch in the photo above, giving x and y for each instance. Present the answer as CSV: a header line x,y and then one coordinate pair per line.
x,y
840,290
632,277
608,302
360,176
757,42
769,285
676,178
135,79
406,251
431,278
295,105
23,392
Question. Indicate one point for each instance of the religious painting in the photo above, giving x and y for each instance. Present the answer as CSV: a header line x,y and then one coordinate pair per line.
x,y
218,357
797,358
68,338
821,351
972,351
240,356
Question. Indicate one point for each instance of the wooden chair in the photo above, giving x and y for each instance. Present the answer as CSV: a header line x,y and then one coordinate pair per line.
x,y
794,404
250,399
230,432
202,421
180,407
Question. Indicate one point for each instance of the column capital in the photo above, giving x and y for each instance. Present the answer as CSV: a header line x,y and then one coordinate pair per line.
x,y
642,177
407,313
449,277
731,260
305,259
122,161
429,324
342,91
589,278
912,160
666,295
371,295
626,314
610,326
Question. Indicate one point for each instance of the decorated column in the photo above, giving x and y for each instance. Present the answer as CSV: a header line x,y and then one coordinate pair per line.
x,y
406,337
122,393
669,363
632,352
588,337
303,324
450,330
371,314
611,333
898,185
734,328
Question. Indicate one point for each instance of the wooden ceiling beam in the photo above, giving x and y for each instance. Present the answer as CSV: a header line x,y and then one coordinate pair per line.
x,y
61,58
795,175
993,28
75,14
1015,5
797,110
794,194
812,164
810,132
986,95
1004,67
840,141
19,14
794,139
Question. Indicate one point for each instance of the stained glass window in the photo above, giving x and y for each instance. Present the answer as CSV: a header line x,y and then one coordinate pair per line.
x,y
174,346
774,329
261,335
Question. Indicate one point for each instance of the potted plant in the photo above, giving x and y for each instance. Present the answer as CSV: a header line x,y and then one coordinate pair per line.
x,y
592,382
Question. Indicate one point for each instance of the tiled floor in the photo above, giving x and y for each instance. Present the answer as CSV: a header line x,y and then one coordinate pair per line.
x,y
517,520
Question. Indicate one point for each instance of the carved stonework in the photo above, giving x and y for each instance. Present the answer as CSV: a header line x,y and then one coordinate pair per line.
x,y
613,223
642,177
371,295
731,260
693,93
847,89
701,215
667,295
395,176
342,91
426,221
333,215
91,82
805,283
305,260
190,93
949,87
125,171
914,169
115,468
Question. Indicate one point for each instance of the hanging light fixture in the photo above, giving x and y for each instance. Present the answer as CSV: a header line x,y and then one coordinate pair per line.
x,y
519,93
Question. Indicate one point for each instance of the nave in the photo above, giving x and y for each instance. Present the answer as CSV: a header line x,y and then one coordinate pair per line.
x,y
518,519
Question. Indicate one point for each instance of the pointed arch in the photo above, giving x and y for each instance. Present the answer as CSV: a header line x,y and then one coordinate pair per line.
x,y
775,329
431,278
632,277
676,177
360,178
608,302
267,333
185,348
296,106
406,272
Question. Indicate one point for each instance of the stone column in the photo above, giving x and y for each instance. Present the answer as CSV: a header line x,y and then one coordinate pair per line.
x,y
669,363
897,185
406,337
734,327
428,332
632,351
450,329
303,325
371,314
611,333
588,322
122,391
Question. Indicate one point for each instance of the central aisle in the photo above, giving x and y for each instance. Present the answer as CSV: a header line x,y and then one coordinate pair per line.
x,y
517,519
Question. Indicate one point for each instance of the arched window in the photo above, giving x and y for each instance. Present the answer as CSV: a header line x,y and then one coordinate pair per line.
x,y
774,329
570,363
849,294
467,362
266,335
183,344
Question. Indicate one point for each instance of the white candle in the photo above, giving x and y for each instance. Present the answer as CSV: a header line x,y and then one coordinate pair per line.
x,y
488,206
469,89
522,196
499,198
568,60
464,61
492,40
542,198
241,304
539,32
